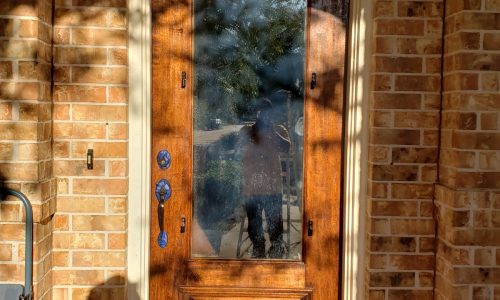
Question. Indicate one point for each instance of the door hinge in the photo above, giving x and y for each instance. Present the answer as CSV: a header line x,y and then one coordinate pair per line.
x,y
183,224
313,81
183,79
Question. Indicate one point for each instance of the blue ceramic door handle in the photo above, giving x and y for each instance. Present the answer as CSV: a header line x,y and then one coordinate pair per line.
x,y
163,191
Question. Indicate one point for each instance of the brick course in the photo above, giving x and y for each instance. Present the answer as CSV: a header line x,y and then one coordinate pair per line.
x,y
25,138
90,96
404,123
468,228
87,69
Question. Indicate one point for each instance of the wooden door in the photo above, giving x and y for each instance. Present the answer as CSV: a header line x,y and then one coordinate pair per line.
x,y
191,260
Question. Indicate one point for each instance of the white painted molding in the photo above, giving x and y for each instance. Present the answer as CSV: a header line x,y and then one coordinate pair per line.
x,y
139,113
356,150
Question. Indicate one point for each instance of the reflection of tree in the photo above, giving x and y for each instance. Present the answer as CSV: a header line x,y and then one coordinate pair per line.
x,y
244,50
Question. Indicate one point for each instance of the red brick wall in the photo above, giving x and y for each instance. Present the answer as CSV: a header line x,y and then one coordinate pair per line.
x,y
45,134
468,197
403,151
25,137
90,112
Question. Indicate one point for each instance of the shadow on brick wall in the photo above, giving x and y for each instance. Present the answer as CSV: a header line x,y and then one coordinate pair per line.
x,y
113,288
63,56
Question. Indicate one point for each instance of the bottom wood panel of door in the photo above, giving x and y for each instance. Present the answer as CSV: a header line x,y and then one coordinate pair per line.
x,y
234,293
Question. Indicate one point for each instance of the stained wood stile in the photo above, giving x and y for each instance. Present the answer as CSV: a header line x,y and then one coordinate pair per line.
x,y
171,112
323,148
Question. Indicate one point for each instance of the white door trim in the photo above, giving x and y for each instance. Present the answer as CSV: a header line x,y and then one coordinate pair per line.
x,y
139,149
356,148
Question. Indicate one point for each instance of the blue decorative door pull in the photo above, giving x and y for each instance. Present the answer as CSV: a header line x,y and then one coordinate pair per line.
x,y
163,159
163,193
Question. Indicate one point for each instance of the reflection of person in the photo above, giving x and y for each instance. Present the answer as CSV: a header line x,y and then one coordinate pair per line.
x,y
262,181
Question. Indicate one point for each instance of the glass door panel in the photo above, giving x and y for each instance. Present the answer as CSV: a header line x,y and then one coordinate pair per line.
x,y
248,128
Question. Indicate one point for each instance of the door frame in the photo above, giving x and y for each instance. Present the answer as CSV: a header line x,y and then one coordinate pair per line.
x,y
355,159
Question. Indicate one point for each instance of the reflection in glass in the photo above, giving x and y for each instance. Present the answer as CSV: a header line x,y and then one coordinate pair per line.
x,y
248,123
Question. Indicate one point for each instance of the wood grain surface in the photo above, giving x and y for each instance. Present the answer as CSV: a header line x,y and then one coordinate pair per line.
x,y
173,274
323,149
171,119
246,273
213,293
